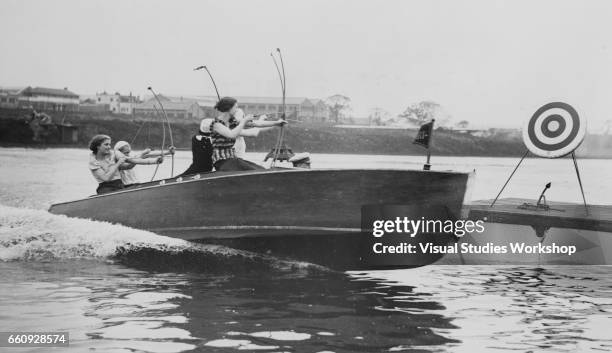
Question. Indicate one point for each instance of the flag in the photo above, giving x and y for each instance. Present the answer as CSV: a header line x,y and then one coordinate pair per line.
x,y
423,137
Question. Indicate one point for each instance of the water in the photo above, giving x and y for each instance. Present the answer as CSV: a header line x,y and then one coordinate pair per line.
x,y
117,289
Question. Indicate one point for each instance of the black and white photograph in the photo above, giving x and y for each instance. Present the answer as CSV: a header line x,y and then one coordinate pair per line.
x,y
305,176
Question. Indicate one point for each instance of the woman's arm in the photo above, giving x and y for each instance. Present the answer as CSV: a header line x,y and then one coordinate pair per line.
x,y
107,176
126,166
231,133
148,153
252,132
268,123
145,160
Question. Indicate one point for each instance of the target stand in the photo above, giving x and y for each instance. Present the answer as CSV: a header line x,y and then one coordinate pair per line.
x,y
555,130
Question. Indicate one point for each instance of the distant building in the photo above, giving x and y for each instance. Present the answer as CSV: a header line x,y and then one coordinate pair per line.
x,y
39,98
9,97
272,106
49,99
181,109
117,103
313,110
89,106
299,108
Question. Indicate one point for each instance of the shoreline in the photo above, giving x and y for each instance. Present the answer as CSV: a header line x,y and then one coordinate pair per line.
x,y
185,149
299,137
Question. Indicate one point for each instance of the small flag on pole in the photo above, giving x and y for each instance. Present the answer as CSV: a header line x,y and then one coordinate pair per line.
x,y
423,137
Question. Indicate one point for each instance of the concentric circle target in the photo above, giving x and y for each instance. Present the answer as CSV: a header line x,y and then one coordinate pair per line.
x,y
554,130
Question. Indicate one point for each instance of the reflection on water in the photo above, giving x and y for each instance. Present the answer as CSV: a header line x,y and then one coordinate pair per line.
x,y
111,308
102,306
315,313
562,309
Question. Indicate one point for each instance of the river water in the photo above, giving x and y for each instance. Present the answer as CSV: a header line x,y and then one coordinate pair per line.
x,y
102,283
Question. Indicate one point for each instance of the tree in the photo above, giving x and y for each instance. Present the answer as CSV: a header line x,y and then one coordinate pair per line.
x,y
463,124
422,112
338,106
378,116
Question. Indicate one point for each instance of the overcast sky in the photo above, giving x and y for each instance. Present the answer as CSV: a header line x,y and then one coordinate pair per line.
x,y
492,63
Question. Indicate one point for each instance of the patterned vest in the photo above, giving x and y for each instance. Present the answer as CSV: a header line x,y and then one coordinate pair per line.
x,y
223,147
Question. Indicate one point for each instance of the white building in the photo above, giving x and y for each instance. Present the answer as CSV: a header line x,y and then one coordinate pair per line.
x,y
117,103
49,99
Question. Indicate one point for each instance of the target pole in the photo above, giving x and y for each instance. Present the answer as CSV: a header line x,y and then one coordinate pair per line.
x,y
586,208
507,181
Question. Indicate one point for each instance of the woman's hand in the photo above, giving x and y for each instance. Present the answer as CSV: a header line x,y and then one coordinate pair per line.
x,y
282,122
159,160
171,149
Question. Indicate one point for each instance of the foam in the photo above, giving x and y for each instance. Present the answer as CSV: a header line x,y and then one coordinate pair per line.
x,y
27,234
37,235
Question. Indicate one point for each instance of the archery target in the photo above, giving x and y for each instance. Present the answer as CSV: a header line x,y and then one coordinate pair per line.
x,y
554,130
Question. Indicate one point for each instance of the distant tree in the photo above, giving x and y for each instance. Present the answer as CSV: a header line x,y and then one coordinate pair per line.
x,y
422,112
379,116
338,105
463,124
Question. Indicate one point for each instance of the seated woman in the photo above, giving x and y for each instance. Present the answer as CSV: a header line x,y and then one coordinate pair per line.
x,y
103,165
201,150
128,175
224,130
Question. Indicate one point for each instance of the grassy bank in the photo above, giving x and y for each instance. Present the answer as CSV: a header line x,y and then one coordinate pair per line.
x,y
300,137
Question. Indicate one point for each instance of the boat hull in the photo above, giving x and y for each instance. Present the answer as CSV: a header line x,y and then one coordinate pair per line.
x,y
274,204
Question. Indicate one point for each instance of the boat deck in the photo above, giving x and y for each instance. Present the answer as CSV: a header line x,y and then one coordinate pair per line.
x,y
560,214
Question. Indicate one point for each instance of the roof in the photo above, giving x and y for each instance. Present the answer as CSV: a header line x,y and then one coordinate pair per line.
x,y
128,99
201,101
10,90
168,105
122,98
44,91
259,100
270,100
210,101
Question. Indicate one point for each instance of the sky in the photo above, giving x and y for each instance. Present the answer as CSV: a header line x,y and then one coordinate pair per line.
x,y
492,63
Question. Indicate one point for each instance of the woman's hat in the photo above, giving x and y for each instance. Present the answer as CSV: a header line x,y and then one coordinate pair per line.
x,y
225,104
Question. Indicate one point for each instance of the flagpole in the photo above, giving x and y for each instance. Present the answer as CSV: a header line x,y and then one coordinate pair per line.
x,y
427,166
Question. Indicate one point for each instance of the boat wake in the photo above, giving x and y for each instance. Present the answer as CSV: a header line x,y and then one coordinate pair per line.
x,y
37,235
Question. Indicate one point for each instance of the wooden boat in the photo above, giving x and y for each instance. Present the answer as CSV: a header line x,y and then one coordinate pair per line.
x,y
306,214
518,221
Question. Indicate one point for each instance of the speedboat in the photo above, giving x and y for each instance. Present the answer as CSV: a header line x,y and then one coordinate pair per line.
x,y
305,214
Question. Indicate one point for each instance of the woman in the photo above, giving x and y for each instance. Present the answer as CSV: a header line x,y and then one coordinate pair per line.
x,y
253,129
103,166
225,129
128,175
201,150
